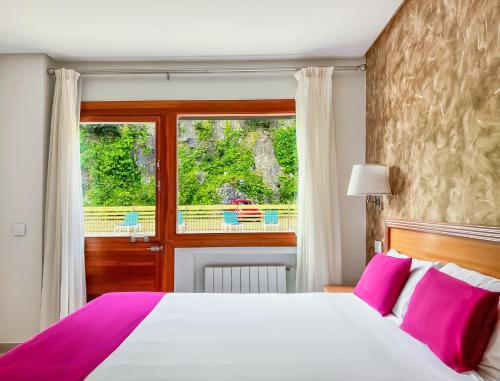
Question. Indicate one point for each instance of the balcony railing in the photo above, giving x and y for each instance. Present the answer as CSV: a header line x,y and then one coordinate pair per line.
x,y
140,220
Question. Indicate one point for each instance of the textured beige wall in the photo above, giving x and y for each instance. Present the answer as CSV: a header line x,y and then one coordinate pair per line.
x,y
433,113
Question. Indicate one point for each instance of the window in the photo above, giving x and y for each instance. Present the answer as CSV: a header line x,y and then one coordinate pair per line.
x,y
118,162
236,174
198,151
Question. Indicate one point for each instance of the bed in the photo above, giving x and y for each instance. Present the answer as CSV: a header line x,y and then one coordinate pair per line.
x,y
319,336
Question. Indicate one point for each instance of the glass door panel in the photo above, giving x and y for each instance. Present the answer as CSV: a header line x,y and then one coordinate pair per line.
x,y
119,164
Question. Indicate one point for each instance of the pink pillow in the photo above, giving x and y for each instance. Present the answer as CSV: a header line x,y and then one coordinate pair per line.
x,y
382,281
453,318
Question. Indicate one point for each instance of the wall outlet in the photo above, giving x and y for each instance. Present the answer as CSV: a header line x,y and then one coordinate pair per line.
x,y
378,246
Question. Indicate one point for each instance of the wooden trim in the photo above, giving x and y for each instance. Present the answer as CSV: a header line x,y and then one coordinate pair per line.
x,y
338,289
168,266
475,248
165,114
195,107
92,118
233,239
116,243
485,233
157,119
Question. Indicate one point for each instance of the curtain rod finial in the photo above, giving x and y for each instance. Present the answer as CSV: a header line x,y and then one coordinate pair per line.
x,y
51,71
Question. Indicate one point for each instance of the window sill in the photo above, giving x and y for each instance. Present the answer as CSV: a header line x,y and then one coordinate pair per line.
x,y
232,239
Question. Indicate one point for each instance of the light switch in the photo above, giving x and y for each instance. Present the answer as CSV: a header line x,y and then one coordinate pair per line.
x,y
378,246
18,229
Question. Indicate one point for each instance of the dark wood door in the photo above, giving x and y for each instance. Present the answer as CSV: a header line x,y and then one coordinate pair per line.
x,y
124,248
113,266
116,263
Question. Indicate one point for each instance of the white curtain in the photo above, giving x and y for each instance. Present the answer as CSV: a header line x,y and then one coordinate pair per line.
x,y
318,222
63,277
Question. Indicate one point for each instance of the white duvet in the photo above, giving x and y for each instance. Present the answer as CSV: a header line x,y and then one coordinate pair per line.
x,y
270,337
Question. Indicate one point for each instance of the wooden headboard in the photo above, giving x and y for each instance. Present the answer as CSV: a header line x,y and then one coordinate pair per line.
x,y
473,247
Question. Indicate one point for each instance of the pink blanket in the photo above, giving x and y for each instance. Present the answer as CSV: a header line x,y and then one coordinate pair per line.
x,y
73,347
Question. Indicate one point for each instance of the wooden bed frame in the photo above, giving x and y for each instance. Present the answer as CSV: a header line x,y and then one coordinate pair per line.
x,y
473,247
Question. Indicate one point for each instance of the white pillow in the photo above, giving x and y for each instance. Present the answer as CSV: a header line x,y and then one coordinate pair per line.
x,y
417,271
472,277
489,367
396,254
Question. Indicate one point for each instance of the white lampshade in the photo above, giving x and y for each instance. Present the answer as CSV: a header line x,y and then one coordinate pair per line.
x,y
369,179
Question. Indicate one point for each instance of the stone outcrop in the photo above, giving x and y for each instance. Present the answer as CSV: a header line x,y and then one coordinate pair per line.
x,y
265,160
187,133
228,193
218,133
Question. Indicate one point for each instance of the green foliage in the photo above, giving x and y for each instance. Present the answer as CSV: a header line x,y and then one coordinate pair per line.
x,y
288,188
113,174
118,163
213,164
219,163
285,149
204,129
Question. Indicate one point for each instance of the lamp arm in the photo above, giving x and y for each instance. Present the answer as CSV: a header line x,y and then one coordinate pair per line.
x,y
375,201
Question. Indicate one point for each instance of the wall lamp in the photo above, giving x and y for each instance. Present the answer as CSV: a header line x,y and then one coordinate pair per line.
x,y
370,180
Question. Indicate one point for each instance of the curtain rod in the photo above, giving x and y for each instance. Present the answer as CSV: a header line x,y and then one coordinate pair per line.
x,y
168,72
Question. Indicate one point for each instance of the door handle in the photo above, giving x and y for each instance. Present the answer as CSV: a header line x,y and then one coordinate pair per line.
x,y
155,248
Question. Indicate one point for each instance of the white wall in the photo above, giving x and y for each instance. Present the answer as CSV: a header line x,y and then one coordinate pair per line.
x,y
25,99
221,86
349,106
24,123
189,263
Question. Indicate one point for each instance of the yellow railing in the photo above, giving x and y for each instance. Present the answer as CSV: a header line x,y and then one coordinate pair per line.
x,y
110,221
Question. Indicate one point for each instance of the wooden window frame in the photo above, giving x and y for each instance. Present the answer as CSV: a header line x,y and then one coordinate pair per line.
x,y
166,114
158,148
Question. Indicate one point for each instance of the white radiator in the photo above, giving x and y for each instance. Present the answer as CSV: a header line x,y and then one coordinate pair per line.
x,y
245,279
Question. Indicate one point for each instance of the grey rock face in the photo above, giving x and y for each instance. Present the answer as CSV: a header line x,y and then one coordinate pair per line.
x,y
201,176
146,162
236,125
219,129
187,133
265,160
228,192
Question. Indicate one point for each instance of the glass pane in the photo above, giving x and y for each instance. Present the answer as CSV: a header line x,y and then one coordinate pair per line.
x,y
236,174
118,162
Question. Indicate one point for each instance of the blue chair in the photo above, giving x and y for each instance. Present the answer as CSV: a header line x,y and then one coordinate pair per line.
x,y
180,222
271,219
130,223
231,220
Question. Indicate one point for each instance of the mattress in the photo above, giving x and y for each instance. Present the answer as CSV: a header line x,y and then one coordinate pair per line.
x,y
320,336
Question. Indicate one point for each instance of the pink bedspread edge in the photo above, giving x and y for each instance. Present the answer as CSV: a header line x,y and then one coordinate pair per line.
x,y
73,347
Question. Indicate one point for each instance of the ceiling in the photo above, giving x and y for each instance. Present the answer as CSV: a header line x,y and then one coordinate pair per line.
x,y
192,29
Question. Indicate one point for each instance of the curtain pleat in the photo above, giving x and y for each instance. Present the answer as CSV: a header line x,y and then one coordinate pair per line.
x,y
319,258
63,276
